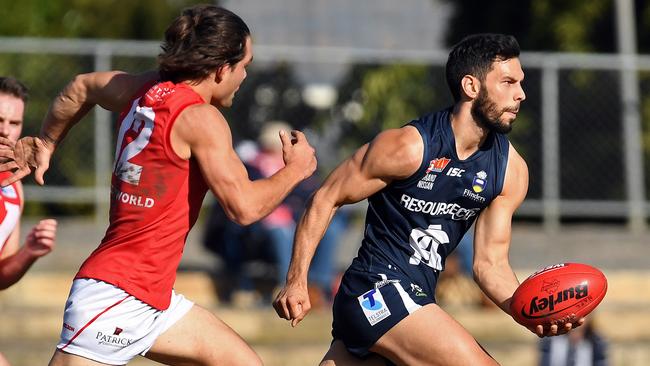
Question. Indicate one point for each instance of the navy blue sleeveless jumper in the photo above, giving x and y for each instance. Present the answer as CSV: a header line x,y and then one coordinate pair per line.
x,y
411,227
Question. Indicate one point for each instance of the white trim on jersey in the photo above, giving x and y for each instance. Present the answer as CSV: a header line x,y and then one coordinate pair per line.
x,y
8,222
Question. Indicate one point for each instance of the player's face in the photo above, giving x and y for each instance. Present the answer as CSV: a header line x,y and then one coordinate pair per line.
x,y
234,75
11,116
498,101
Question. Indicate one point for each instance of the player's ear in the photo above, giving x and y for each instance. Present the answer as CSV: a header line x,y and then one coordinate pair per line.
x,y
219,74
470,86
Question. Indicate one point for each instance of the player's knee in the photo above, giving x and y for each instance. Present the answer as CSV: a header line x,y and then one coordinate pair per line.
x,y
239,358
254,361
247,359
476,353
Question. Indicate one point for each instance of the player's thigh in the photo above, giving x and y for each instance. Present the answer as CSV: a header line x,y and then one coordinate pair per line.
x,y
200,338
338,355
429,336
61,358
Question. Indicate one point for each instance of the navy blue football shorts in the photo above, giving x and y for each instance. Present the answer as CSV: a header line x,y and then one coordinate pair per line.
x,y
368,304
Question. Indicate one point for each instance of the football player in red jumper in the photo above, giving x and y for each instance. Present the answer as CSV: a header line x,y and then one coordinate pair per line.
x,y
14,259
173,144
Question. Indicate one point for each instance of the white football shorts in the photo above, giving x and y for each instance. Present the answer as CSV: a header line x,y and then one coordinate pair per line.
x,y
105,324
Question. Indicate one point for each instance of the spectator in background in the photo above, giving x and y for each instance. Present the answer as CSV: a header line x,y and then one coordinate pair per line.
x,y
455,286
14,259
241,249
465,252
271,239
582,347
281,223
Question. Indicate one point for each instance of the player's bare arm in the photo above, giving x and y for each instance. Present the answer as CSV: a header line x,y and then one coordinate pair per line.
x,y
202,132
493,235
17,260
392,155
492,269
110,90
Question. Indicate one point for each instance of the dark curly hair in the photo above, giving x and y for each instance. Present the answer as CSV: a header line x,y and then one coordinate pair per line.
x,y
474,56
12,86
201,40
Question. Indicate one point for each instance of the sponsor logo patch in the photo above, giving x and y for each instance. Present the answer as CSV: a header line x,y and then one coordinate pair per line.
x,y
455,172
417,290
427,181
453,210
473,196
113,340
373,306
478,183
438,165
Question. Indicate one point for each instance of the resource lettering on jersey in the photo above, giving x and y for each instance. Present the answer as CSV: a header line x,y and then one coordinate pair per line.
x,y
456,211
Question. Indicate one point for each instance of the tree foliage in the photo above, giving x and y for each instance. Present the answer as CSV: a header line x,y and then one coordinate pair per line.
x,y
142,19
539,25
390,96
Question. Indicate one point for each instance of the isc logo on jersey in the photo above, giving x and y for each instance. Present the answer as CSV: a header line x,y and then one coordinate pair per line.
x,y
455,172
373,306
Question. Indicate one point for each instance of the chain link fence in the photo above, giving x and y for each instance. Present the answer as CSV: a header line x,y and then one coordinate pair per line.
x,y
584,129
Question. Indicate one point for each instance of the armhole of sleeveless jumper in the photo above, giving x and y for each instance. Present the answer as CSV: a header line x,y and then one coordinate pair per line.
x,y
503,163
417,175
135,98
169,150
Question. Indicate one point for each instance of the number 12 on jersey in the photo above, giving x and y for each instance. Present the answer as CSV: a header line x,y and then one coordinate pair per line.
x,y
136,129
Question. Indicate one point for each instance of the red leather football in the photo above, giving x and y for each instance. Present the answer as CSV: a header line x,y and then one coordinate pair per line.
x,y
557,294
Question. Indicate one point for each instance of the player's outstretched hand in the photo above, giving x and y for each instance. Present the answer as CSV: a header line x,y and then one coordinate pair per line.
x,y
298,153
556,329
42,239
21,157
292,303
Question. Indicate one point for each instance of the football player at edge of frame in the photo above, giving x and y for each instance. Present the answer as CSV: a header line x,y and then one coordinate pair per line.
x,y
16,260
426,183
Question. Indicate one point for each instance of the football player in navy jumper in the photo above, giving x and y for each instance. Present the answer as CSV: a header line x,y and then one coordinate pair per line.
x,y
426,183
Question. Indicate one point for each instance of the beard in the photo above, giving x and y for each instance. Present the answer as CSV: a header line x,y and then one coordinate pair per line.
x,y
488,115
